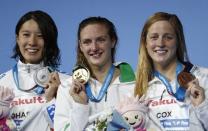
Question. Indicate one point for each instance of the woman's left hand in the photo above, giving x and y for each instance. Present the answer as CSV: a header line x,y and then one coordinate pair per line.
x,y
196,92
52,86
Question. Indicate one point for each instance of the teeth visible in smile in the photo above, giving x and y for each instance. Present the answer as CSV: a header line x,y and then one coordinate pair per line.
x,y
32,50
160,51
96,54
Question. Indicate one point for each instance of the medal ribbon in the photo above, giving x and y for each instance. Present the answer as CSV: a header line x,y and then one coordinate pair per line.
x,y
180,91
103,89
38,89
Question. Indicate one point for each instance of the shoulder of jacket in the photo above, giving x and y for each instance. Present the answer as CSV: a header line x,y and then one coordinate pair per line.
x,y
200,71
3,75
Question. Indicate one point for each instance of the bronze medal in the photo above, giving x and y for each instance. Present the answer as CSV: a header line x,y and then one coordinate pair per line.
x,y
184,78
81,73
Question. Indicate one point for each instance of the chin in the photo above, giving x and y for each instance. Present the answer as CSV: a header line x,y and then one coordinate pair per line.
x,y
160,61
33,61
96,63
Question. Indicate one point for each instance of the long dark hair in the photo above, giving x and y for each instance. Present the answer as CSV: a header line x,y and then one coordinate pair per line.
x,y
51,53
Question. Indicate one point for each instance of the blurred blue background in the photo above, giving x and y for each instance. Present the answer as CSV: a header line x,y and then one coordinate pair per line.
x,y
128,17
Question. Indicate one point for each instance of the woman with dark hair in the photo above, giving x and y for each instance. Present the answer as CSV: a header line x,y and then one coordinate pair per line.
x,y
33,80
49,33
98,83
177,91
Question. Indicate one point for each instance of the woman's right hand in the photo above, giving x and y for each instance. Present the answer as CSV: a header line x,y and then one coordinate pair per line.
x,y
78,93
6,97
6,94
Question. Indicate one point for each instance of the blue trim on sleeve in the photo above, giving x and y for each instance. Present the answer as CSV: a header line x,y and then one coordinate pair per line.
x,y
51,112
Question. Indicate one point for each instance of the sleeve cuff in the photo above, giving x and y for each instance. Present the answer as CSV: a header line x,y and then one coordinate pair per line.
x,y
201,112
80,113
202,107
49,112
81,108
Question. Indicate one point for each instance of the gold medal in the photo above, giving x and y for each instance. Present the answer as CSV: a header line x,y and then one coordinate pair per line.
x,y
81,73
184,78
41,76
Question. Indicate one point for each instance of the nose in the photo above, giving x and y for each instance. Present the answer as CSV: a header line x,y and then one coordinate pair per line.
x,y
94,45
32,40
161,42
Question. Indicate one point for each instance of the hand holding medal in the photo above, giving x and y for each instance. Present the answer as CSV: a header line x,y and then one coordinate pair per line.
x,y
80,77
191,84
47,81
52,85
81,89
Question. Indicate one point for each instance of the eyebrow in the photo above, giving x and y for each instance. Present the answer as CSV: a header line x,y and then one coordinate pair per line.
x,y
38,32
102,36
163,34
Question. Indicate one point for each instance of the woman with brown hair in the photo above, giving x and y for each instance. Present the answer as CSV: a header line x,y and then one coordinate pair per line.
x,y
79,100
176,90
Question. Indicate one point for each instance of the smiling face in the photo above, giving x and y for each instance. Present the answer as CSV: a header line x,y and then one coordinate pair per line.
x,y
30,42
96,45
161,43
134,118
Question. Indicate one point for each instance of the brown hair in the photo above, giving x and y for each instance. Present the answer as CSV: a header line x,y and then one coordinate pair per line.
x,y
81,60
145,64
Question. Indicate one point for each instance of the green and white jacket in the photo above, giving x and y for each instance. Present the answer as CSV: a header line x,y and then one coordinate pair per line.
x,y
72,116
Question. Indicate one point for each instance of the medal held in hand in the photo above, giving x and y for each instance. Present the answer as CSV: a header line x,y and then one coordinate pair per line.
x,y
81,73
41,76
184,78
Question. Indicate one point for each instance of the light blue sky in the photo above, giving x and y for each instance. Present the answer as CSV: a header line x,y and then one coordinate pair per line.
x,y
127,15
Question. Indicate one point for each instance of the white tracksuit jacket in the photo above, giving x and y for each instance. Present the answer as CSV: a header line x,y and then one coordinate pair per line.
x,y
29,110
174,115
72,116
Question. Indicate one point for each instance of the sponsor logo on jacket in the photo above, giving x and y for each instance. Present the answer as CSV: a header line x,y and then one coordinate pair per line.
x,y
162,102
27,101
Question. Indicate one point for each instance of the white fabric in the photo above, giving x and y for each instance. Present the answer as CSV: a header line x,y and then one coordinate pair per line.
x,y
76,115
173,114
28,108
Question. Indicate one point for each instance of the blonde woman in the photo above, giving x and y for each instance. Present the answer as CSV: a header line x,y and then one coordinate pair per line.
x,y
175,102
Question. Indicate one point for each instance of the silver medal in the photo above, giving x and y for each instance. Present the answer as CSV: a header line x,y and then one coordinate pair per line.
x,y
81,74
41,76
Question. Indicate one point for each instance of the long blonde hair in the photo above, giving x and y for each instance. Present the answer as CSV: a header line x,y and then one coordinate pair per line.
x,y
145,64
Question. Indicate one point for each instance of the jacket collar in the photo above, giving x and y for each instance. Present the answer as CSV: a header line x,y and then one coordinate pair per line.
x,y
28,67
